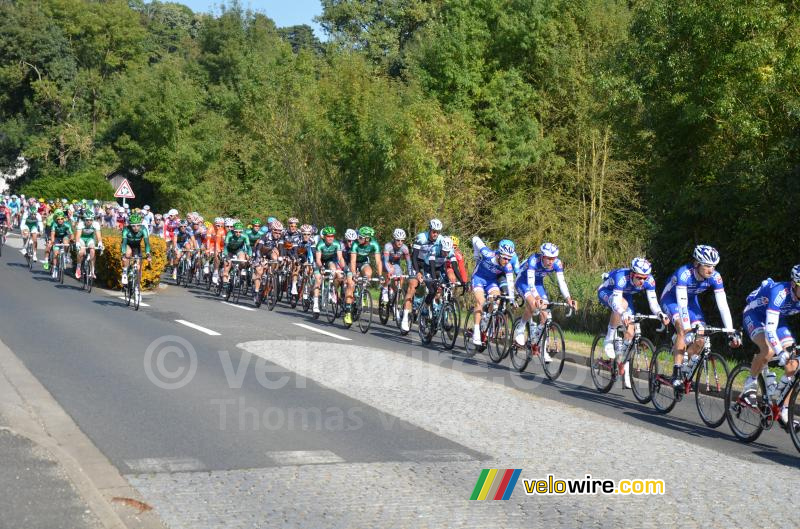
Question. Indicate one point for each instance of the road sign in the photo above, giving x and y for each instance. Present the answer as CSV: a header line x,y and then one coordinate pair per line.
x,y
124,190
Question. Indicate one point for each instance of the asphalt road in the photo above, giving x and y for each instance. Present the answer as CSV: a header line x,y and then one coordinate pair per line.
x,y
88,351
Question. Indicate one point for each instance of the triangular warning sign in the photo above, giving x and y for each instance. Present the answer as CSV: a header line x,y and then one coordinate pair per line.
x,y
124,190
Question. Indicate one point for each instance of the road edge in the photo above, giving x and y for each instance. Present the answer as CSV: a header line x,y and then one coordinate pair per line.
x,y
33,413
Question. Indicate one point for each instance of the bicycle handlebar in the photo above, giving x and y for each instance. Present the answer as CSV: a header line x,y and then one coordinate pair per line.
x,y
570,310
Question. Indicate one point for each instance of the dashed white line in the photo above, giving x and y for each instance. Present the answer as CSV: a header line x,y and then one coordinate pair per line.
x,y
304,457
326,333
198,327
141,304
152,465
237,306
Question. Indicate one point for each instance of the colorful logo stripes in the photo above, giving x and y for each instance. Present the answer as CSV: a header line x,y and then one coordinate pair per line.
x,y
496,484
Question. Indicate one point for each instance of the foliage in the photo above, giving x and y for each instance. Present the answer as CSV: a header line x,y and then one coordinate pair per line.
x,y
109,263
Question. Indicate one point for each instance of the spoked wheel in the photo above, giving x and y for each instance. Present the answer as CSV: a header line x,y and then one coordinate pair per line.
x,y
449,320
365,311
218,286
128,289
258,293
556,349
746,420
709,386
662,393
308,293
330,304
602,368
137,293
61,269
500,339
521,354
90,277
425,324
272,292
240,288
398,305
639,369
794,415
230,285
384,309
470,348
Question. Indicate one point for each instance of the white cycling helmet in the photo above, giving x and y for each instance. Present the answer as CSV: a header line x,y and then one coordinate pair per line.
x,y
435,225
642,266
399,234
549,249
218,221
447,244
172,212
706,255
229,222
796,273
351,235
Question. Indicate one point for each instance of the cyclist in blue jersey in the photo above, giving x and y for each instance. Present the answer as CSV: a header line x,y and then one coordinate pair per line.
x,y
530,285
420,250
616,292
765,316
680,301
489,271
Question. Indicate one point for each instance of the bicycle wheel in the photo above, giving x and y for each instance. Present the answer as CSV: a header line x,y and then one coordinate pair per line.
x,y
84,275
90,277
746,420
398,304
709,389
272,291
384,310
137,292
61,268
521,354
662,393
501,333
307,292
470,348
365,311
331,303
238,288
553,343
639,369
794,415
425,324
449,322
603,369
230,285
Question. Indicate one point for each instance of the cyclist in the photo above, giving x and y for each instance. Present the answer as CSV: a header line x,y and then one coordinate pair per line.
x,y
328,256
200,232
764,318
437,269
291,239
267,249
530,285
616,292
680,300
365,246
236,247
350,236
305,250
423,244
6,217
31,227
132,236
15,205
216,242
60,233
489,270
394,253
87,235
459,264
182,240
253,232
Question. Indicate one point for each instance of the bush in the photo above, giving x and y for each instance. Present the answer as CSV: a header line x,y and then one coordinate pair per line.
x,y
81,185
109,265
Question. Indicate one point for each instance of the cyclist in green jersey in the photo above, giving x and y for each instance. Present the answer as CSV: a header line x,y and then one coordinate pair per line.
x,y
60,233
236,246
327,256
87,237
253,232
132,236
360,252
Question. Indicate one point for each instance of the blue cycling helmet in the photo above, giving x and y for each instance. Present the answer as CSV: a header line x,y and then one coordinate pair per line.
x,y
549,249
508,243
506,248
642,266
706,255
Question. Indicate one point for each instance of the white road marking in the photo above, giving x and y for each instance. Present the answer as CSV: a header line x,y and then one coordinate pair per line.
x,y
141,303
304,457
436,454
326,333
237,306
198,327
152,465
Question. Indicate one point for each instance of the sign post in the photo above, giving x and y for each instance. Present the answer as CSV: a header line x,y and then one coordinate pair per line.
x,y
124,191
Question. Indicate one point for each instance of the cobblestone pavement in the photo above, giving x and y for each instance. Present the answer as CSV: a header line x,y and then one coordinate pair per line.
x,y
515,429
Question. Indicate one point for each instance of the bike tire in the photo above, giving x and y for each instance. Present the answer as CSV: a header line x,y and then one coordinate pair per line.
x,y
397,309
425,324
237,292
794,432
365,311
709,389
229,286
601,368
137,290
330,305
272,292
521,355
307,293
662,394
745,421
497,336
90,280
61,270
449,325
553,342
639,370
